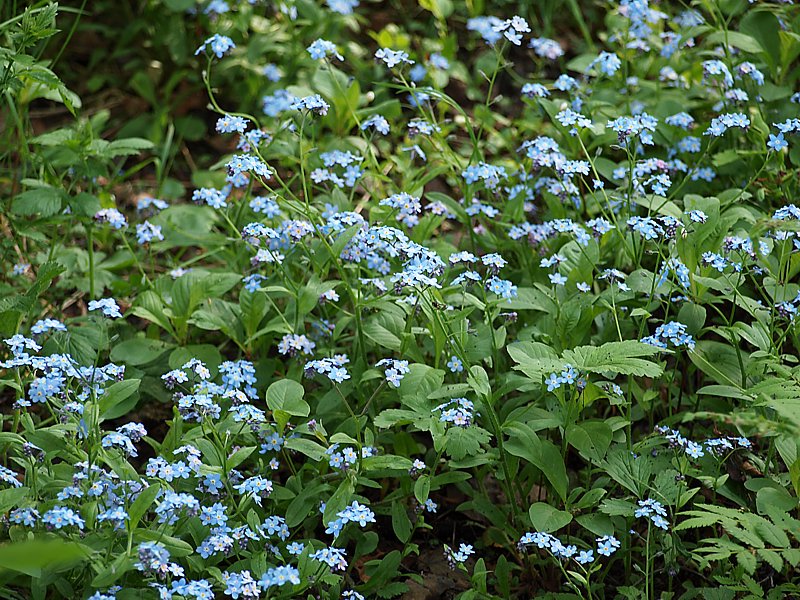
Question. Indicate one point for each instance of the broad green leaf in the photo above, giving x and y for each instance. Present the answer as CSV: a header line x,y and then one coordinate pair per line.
x,y
546,518
422,488
31,557
307,447
119,398
590,438
621,358
543,454
338,501
287,395
138,351
307,500
401,524
142,504
44,201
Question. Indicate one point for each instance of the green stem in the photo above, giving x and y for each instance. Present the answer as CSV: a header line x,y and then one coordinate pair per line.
x,y
90,248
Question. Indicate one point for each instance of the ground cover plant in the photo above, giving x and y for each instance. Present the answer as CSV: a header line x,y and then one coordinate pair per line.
x,y
353,299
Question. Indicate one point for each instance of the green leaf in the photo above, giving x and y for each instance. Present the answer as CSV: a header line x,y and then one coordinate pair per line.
x,y
620,358
393,416
590,438
179,5
343,238
502,574
735,39
762,26
465,441
419,382
381,335
719,361
304,502
478,380
287,395
627,470
774,499
380,573
534,359
401,524
307,447
386,461
285,399
138,351
12,497
547,519
531,299
198,286
84,204
113,402
142,504
127,147
422,488
45,201
537,360
543,454
118,567
31,557
176,547
338,501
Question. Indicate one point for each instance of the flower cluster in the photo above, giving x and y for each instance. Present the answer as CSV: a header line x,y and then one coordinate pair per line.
x,y
606,546
355,513
568,376
672,333
332,368
695,450
458,411
394,371
458,557
654,511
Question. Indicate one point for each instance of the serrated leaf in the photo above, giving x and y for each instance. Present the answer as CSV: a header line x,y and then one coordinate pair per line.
x,y
621,358
465,441
44,201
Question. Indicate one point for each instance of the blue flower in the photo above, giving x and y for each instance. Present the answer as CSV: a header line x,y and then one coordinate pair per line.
x,y
719,125
211,196
219,45
546,48
111,216
777,142
392,58
376,122
60,516
313,103
607,545
607,63
231,124
295,548
343,7
322,49
455,365
271,72
694,450
512,29
147,232
395,370
487,28
107,306
553,382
